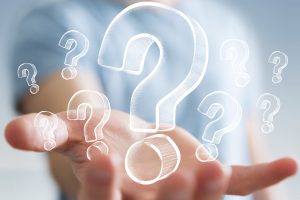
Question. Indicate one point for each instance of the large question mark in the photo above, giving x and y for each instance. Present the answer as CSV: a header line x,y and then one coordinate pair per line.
x,y
135,47
271,106
237,52
48,123
80,45
280,60
29,71
229,117
94,108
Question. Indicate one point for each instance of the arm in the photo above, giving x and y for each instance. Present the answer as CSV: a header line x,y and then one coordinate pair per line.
x,y
54,95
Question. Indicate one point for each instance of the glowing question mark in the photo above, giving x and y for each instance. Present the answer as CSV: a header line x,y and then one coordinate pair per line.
x,y
281,61
237,52
229,117
271,106
84,105
80,45
48,123
135,47
29,71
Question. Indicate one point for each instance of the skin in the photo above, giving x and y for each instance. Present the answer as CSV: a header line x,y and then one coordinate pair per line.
x,y
78,177
104,177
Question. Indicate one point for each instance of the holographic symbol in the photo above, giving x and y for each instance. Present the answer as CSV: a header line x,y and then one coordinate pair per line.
x,y
280,60
47,123
237,53
29,71
225,113
135,47
78,45
94,108
271,106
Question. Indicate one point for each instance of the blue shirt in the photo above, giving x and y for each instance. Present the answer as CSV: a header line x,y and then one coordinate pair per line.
x,y
41,30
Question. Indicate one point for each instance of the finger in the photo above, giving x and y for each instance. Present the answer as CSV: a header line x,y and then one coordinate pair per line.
x,y
22,134
211,181
179,186
246,180
100,180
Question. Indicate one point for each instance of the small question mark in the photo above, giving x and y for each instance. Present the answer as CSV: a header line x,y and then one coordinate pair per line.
x,y
84,105
237,52
135,47
48,123
271,106
229,117
80,45
29,71
280,60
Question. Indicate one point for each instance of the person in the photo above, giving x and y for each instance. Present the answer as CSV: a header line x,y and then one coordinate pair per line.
x,y
104,177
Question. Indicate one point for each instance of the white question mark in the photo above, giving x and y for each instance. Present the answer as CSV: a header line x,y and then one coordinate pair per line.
x,y
133,62
237,52
280,60
135,48
271,106
229,117
29,71
80,45
48,123
85,105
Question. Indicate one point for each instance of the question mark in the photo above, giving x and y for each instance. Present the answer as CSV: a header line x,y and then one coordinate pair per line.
x,y
48,123
271,106
229,117
80,45
237,52
136,46
29,71
280,60
82,106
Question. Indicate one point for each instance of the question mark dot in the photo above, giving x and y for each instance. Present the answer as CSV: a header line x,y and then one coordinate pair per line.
x,y
276,79
207,152
93,150
69,73
267,128
34,89
49,145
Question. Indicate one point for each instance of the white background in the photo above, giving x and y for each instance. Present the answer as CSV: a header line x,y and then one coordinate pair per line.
x,y
24,176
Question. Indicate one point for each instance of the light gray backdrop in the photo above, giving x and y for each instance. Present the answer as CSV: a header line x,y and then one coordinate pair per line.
x,y
24,176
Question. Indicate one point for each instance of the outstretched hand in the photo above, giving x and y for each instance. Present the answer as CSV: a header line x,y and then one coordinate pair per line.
x,y
104,177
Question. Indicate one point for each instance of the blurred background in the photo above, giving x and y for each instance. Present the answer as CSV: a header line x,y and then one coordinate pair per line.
x,y
25,175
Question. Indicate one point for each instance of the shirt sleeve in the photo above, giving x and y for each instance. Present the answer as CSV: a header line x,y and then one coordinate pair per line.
x,y
37,43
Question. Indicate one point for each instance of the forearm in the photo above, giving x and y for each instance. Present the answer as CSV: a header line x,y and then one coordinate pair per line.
x,y
54,96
